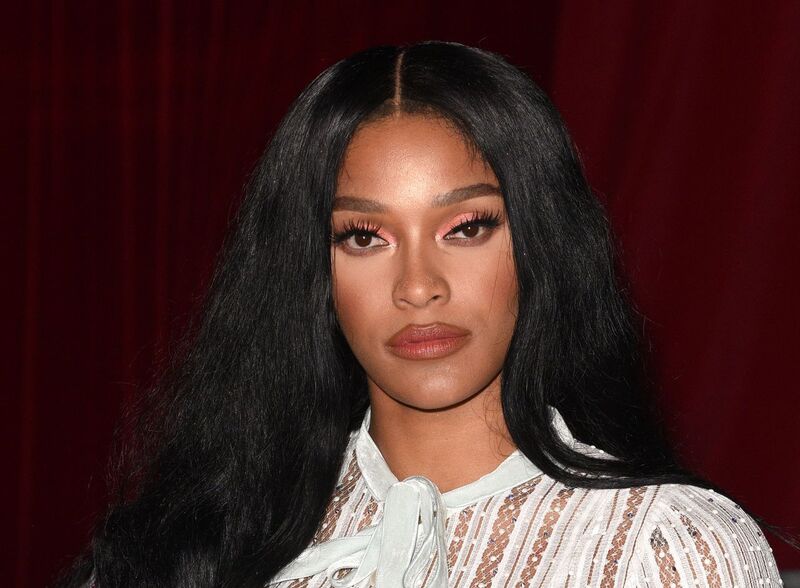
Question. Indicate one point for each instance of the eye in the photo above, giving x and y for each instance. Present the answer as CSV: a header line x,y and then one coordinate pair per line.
x,y
476,226
359,236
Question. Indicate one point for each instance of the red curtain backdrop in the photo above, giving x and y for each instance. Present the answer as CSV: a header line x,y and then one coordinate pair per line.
x,y
129,129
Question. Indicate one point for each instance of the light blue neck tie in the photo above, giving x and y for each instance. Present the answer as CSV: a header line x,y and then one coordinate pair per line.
x,y
394,553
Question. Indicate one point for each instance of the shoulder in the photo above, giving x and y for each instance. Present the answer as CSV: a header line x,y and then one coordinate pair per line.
x,y
694,536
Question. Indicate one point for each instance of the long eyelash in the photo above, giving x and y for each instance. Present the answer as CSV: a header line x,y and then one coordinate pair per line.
x,y
481,218
351,228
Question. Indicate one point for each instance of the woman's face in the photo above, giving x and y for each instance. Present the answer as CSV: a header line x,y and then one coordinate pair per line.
x,y
424,281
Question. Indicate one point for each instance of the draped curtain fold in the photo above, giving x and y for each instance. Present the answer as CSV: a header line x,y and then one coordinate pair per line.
x,y
130,127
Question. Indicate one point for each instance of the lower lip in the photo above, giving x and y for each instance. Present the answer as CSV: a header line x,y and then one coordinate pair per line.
x,y
431,349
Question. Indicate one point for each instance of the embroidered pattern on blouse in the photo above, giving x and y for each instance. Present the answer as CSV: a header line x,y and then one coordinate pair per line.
x,y
724,555
704,552
501,531
667,572
557,506
685,540
635,498
369,512
340,497
611,512
464,517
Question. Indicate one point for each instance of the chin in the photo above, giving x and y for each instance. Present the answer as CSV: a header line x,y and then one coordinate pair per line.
x,y
435,398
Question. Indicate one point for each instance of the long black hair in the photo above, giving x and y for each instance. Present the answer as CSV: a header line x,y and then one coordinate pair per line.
x,y
242,447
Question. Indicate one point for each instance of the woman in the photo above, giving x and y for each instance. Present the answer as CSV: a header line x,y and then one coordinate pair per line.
x,y
415,367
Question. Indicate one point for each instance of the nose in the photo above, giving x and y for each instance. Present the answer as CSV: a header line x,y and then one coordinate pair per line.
x,y
419,282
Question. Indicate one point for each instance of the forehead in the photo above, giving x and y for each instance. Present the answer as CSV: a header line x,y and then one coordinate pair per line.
x,y
406,157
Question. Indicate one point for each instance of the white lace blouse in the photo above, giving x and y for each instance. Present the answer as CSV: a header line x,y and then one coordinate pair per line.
x,y
517,527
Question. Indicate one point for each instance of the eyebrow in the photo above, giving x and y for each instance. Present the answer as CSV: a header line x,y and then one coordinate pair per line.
x,y
439,201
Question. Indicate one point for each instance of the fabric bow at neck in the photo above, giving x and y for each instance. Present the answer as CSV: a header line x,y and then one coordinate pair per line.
x,y
394,553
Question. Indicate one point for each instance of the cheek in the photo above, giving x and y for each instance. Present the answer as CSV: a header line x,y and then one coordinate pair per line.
x,y
489,283
507,288
357,298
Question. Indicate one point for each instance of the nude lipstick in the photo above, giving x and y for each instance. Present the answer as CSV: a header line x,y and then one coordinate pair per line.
x,y
427,341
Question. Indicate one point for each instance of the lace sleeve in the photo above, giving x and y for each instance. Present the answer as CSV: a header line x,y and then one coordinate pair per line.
x,y
697,537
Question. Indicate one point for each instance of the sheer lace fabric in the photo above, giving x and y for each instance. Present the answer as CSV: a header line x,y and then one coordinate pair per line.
x,y
516,527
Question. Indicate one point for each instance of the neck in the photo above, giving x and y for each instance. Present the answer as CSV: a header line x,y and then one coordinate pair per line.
x,y
451,446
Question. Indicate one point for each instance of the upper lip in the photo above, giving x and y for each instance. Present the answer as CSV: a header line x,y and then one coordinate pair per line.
x,y
419,333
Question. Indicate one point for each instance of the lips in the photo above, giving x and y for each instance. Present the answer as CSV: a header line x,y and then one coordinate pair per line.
x,y
427,341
